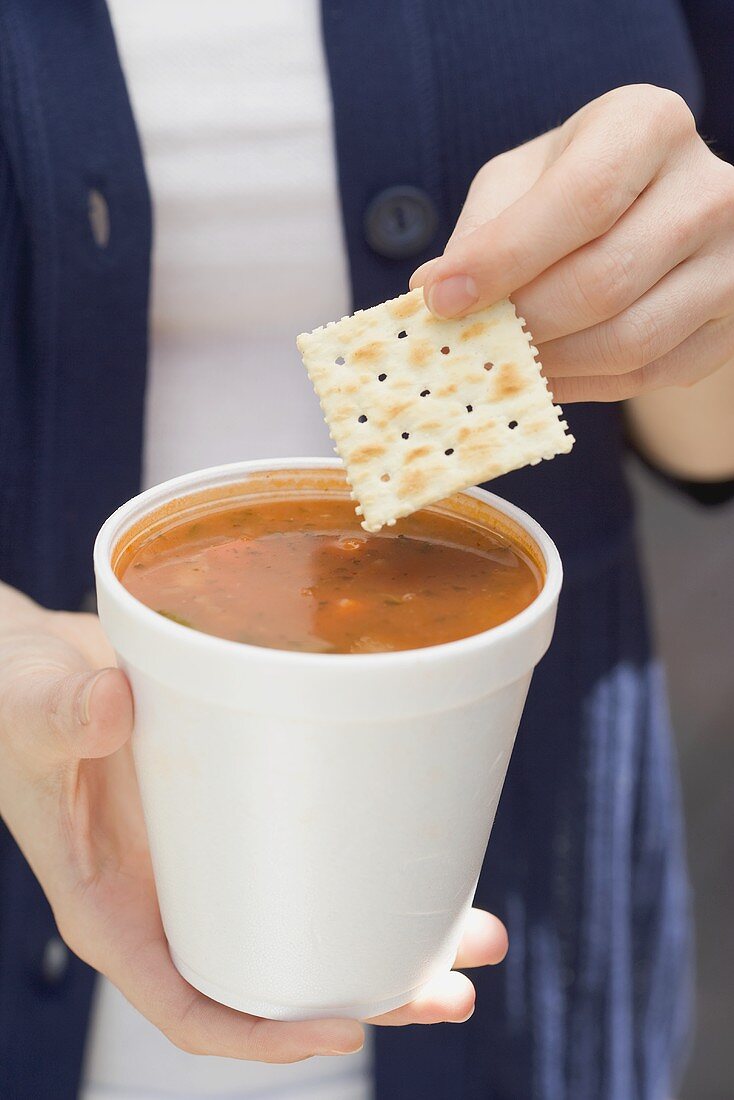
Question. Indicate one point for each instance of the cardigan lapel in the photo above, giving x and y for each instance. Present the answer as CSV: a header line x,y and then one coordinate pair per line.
x,y
74,155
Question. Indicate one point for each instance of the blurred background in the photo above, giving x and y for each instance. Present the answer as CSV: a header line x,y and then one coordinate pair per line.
x,y
688,555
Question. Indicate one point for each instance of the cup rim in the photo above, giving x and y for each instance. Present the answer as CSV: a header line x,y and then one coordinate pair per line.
x,y
113,528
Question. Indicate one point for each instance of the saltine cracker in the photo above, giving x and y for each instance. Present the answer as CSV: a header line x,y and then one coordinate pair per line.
x,y
420,408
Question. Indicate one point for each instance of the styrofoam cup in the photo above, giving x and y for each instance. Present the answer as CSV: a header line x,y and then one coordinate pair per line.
x,y
317,822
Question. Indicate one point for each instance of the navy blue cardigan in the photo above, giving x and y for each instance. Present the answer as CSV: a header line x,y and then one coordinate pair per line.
x,y
424,92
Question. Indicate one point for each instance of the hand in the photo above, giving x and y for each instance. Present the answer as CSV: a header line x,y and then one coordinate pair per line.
x,y
614,235
69,795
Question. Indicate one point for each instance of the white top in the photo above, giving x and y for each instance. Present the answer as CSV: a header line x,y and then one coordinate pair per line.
x,y
234,111
232,103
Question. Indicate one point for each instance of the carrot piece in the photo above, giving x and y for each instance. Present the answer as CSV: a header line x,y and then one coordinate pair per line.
x,y
347,604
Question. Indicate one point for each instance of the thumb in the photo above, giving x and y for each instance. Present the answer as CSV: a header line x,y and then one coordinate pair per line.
x,y
57,710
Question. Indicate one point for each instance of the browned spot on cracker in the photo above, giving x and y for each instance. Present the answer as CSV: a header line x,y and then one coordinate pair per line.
x,y
446,391
396,410
420,352
480,443
368,352
365,454
406,307
508,381
534,425
474,330
412,483
419,452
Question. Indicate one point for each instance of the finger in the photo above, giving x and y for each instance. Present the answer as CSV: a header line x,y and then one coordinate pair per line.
x,y
484,942
55,708
661,319
694,359
499,183
603,278
202,1026
598,176
448,999
420,274
83,630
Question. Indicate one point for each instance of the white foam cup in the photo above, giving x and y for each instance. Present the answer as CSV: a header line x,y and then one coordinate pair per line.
x,y
317,822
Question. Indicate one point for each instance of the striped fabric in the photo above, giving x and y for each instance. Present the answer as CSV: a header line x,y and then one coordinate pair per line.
x,y
586,866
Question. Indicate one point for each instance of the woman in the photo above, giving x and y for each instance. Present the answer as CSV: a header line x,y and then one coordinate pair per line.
x,y
614,234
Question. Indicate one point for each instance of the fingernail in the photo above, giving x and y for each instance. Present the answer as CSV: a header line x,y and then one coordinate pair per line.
x,y
351,1049
418,277
452,296
346,1043
84,699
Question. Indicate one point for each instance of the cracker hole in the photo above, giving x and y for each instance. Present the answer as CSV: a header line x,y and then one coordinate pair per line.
x,y
445,350
362,419
425,393
340,360
402,334
450,451
470,408
406,435
488,366
381,377
512,425
385,477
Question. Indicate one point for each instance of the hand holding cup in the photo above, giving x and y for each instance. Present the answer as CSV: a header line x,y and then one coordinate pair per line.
x,y
69,795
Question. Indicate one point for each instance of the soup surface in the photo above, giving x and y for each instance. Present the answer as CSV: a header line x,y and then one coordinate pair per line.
x,y
299,573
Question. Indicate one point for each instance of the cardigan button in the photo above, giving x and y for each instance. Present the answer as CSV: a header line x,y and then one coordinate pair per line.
x,y
400,222
99,217
54,961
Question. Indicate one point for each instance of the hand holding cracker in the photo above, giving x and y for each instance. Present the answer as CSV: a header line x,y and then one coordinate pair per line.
x,y
420,408
614,235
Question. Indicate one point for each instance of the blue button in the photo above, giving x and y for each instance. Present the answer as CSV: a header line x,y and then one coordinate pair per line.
x,y
54,961
400,222
99,217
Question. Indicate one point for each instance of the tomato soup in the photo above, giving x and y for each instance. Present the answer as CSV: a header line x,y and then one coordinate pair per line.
x,y
299,573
